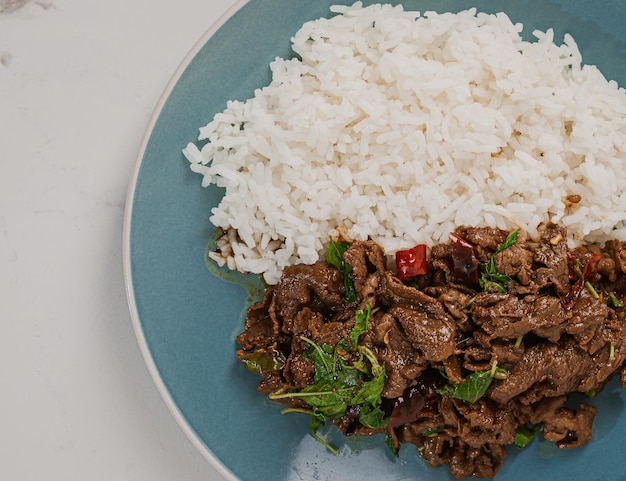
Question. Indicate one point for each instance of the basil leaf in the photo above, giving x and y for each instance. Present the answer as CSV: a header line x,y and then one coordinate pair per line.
x,y
335,252
348,285
339,384
491,280
369,395
322,357
524,435
474,386
372,417
262,360
395,450
511,239
361,323
370,391
314,425
326,399
334,256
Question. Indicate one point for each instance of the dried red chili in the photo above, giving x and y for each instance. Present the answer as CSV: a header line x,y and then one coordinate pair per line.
x,y
411,262
464,262
588,272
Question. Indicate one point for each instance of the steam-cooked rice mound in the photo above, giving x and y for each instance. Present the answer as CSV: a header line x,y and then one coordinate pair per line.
x,y
401,126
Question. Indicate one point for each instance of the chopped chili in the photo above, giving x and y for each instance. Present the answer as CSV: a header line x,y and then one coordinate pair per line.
x,y
588,272
464,262
411,262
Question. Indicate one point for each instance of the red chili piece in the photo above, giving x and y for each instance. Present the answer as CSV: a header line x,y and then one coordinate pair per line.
x,y
411,262
464,261
588,273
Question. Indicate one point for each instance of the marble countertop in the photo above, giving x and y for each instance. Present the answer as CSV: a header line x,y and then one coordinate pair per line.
x,y
78,83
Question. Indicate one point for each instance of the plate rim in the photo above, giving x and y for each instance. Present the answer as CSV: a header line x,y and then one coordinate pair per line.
x,y
135,317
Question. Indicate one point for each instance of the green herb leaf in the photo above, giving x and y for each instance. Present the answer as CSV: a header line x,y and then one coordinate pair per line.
x,y
392,445
339,385
474,386
369,395
373,417
592,290
335,252
348,285
524,435
262,360
491,280
314,425
591,393
334,256
336,382
511,239
489,285
326,399
577,267
370,390
322,357
431,433
615,302
361,323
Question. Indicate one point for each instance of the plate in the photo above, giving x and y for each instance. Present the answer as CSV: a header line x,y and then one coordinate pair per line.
x,y
186,316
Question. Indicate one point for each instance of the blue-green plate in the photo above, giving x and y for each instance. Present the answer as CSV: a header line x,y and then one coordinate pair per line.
x,y
186,317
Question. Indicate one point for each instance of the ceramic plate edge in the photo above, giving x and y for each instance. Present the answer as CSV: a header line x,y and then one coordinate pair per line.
x,y
128,279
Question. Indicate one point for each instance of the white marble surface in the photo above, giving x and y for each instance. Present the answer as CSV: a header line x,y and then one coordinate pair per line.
x,y
78,83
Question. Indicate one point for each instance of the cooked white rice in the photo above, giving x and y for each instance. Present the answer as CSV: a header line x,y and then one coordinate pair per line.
x,y
402,126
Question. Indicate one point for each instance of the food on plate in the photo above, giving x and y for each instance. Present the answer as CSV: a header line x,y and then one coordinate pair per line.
x,y
384,133
481,348
401,126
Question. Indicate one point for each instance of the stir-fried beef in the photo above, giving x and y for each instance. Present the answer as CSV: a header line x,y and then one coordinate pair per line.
x,y
553,324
